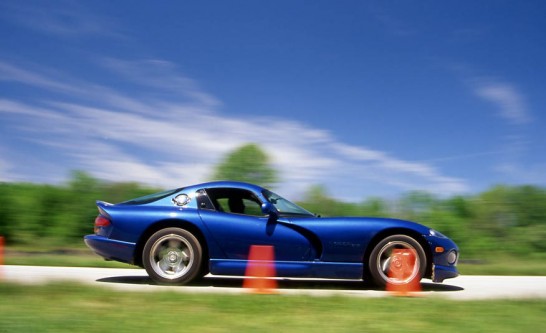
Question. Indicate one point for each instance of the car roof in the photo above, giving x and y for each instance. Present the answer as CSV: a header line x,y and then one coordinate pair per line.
x,y
225,183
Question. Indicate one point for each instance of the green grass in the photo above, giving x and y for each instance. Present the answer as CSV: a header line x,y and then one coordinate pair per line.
x,y
64,260
77,308
505,265
75,256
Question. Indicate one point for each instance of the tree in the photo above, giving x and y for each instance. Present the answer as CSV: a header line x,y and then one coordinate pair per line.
x,y
248,163
316,200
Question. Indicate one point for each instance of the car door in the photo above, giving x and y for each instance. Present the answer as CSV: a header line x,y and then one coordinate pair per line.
x,y
234,219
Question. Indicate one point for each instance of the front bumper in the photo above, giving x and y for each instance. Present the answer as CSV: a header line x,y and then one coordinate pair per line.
x,y
445,255
440,273
111,249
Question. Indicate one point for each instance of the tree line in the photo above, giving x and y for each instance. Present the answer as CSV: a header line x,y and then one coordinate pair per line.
x,y
57,215
502,220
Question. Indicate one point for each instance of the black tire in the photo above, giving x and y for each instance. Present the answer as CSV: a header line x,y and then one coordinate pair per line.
x,y
172,256
381,256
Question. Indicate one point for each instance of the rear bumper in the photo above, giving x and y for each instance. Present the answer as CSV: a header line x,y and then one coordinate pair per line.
x,y
111,249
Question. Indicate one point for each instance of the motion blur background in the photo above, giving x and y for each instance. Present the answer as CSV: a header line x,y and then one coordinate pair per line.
x,y
431,111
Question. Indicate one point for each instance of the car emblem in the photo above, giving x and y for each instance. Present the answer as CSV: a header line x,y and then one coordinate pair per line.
x,y
181,200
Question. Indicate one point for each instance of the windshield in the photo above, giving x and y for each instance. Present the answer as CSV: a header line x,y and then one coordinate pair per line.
x,y
283,206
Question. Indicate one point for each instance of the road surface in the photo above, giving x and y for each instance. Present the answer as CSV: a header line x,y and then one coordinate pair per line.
x,y
460,288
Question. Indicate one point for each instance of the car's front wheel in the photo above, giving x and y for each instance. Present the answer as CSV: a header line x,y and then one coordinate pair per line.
x,y
387,258
172,256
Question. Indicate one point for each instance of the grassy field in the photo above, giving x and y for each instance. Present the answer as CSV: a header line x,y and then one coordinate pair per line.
x,y
76,308
70,259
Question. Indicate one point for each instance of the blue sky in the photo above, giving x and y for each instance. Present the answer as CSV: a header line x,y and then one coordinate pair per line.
x,y
364,97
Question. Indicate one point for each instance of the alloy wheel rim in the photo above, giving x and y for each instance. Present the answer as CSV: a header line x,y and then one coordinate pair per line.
x,y
171,256
385,260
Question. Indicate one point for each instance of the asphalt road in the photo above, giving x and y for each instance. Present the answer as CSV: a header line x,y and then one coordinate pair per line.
x,y
460,288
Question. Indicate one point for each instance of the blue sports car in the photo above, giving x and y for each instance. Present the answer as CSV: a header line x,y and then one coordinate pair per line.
x,y
183,234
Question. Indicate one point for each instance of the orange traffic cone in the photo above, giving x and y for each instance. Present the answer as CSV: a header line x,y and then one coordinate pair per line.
x,y
403,280
260,270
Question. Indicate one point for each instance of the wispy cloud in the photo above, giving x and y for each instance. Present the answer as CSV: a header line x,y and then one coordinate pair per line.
x,y
4,165
509,101
13,73
64,19
511,106
177,139
161,75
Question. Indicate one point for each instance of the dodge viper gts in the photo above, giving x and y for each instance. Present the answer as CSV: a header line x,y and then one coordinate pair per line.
x,y
183,234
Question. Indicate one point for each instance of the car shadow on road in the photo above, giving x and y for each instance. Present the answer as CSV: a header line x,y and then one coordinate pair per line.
x,y
282,283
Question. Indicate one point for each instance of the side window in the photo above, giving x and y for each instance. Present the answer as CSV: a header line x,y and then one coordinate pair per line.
x,y
203,201
252,207
235,201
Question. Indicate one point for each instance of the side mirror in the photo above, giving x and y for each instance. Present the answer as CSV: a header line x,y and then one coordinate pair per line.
x,y
269,209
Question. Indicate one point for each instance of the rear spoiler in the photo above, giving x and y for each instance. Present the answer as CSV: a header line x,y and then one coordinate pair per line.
x,y
103,206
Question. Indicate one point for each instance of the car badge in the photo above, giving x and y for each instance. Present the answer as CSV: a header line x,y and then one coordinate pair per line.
x,y
181,200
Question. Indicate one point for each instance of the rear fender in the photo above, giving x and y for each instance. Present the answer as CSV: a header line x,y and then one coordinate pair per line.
x,y
182,224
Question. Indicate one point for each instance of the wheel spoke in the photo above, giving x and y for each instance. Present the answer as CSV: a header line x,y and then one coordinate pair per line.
x,y
185,257
385,265
174,243
164,265
179,267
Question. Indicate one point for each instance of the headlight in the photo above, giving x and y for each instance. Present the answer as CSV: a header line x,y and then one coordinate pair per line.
x,y
452,257
436,234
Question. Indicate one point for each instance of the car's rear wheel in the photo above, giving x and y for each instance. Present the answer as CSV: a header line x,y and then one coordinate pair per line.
x,y
387,264
172,256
